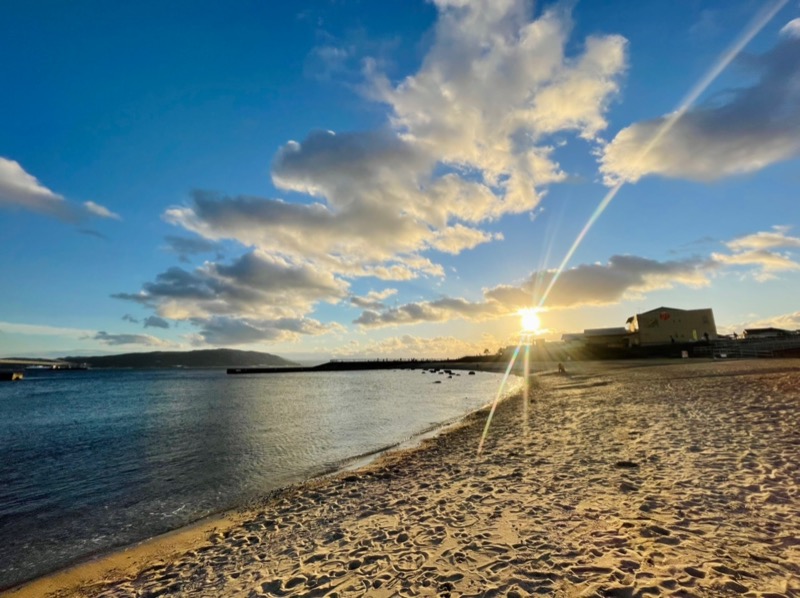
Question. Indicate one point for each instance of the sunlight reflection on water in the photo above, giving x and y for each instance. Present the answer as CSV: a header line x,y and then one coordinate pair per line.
x,y
93,460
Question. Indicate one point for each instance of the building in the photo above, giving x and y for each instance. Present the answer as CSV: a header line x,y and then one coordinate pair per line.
x,y
661,326
612,338
665,325
767,333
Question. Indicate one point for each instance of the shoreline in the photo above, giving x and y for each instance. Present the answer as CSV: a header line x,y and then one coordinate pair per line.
x,y
414,506
127,558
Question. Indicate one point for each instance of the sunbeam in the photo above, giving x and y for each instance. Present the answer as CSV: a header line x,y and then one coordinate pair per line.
x,y
756,25
753,28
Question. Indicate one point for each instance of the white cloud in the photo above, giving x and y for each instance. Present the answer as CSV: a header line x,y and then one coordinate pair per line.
x,y
758,249
237,331
100,211
751,128
788,321
623,277
465,143
791,29
256,298
129,339
440,310
588,284
373,300
21,190
778,237
255,285
456,239
767,262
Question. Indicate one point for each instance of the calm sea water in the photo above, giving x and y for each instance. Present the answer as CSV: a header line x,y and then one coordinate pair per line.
x,y
94,460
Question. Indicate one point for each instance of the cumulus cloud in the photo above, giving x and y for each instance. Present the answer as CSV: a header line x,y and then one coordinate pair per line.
x,y
373,300
621,277
19,189
749,129
761,250
440,310
465,143
776,238
129,339
130,318
467,140
788,321
254,285
254,298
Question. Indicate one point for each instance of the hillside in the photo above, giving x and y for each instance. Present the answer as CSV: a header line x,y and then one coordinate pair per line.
x,y
205,358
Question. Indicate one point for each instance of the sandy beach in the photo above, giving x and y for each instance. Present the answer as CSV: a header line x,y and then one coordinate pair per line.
x,y
623,479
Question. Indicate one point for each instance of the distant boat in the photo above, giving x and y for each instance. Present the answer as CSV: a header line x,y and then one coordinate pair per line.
x,y
11,376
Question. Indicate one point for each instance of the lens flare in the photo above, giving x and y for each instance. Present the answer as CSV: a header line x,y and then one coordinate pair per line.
x,y
530,320
497,398
756,25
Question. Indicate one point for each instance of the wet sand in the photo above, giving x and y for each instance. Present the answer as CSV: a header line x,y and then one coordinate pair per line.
x,y
615,480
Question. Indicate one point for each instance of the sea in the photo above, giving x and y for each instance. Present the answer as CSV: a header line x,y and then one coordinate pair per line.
x,y
95,460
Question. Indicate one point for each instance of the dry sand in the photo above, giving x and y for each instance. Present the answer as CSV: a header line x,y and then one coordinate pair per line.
x,y
676,480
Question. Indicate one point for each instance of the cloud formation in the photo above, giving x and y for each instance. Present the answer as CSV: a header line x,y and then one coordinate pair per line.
x,y
373,300
466,143
254,298
129,339
761,251
237,331
467,140
254,285
623,276
19,189
747,130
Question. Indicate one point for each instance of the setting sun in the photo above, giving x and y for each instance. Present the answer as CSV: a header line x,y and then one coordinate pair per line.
x,y
530,320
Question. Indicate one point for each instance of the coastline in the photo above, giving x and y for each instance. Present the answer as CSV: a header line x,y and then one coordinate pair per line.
x,y
131,558
598,484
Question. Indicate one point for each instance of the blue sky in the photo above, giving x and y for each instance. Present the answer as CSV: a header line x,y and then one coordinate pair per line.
x,y
349,178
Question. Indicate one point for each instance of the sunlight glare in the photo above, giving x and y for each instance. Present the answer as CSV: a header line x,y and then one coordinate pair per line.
x,y
530,320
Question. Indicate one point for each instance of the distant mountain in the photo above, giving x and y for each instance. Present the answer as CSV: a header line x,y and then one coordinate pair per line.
x,y
206,358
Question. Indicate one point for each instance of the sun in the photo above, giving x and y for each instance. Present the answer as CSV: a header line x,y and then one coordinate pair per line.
x,y
530,320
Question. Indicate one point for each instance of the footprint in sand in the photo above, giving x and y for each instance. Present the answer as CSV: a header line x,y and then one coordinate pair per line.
x,y
409,561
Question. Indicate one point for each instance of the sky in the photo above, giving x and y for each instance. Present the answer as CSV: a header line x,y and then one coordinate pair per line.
x,y
391,178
